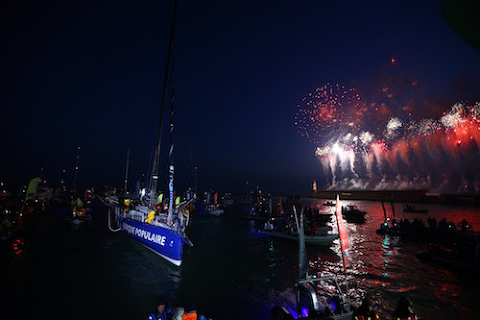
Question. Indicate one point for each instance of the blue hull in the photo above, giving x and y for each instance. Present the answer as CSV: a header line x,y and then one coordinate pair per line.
x,y
165,242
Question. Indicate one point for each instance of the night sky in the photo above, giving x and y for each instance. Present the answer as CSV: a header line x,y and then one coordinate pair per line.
x,y
90,74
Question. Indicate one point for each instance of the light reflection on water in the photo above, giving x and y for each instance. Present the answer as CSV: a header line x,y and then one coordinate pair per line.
x,y
386,267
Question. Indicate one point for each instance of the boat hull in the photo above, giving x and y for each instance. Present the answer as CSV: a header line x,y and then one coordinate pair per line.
x,y
319,240
163,241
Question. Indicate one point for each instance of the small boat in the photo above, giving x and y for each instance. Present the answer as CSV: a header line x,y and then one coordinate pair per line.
x,y
284,228
408,207
213,209
390,227
461,256
77,219
209,206
79,213
226,199
351,213
319,239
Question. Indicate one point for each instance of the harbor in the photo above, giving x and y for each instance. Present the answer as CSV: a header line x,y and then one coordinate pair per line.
x,y
401,196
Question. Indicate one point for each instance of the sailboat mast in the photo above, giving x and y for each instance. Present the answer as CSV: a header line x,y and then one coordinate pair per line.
x,y
156,161
171,167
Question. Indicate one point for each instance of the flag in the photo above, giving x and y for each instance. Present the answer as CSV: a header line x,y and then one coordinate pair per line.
x,y
160,198
342,232
32,189
280,203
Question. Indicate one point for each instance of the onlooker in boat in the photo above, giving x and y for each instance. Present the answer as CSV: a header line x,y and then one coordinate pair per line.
x,y
465,225
405,310
395,224
405,225
314,229
417,224
365,311
452,226
163,312
443,224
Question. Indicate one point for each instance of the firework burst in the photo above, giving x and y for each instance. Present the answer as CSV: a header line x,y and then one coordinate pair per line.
x,y
329,110
428,153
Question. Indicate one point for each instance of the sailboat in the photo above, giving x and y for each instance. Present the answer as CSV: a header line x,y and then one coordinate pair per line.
x,y
145,219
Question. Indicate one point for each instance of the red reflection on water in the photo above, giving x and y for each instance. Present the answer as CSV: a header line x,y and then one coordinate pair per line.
x,y
18,247
444,291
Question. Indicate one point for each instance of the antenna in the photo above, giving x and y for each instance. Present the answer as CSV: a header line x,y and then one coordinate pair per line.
x,y
126,170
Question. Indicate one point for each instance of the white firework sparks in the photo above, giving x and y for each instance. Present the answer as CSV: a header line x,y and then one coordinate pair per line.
x,y
392,127
394,124
366,137
427,126
454,117
475,111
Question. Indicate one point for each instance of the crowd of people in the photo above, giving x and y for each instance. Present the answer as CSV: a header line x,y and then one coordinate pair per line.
x,y
163,311
405,226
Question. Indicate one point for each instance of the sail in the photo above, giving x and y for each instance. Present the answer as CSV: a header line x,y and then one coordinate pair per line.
x,y
342,232
32,188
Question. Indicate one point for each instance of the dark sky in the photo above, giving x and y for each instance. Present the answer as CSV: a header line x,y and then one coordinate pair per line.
x,y
90,74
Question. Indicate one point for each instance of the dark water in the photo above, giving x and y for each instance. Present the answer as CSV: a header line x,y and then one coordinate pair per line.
x,y
62,270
